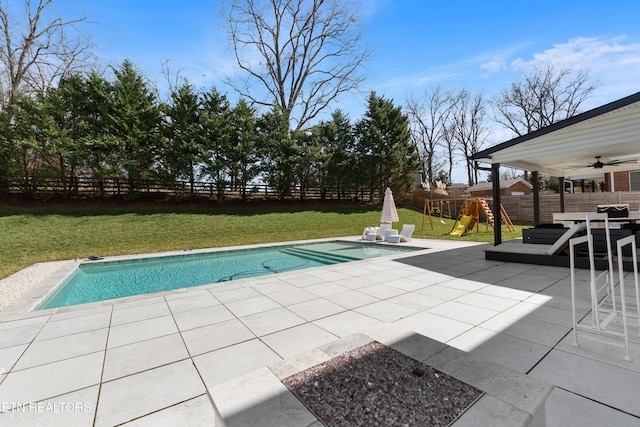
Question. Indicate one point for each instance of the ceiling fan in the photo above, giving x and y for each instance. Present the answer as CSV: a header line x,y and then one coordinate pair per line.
x,y
598,164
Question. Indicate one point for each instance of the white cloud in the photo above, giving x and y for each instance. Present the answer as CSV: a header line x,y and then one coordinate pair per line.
x,y
494,61
585,52
614,63
495,65
369,8
453,74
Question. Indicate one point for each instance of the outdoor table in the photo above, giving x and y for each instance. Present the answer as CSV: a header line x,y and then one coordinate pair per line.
x,y
570,218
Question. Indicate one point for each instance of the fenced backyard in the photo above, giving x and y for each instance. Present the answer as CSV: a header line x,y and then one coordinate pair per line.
x,y
520,208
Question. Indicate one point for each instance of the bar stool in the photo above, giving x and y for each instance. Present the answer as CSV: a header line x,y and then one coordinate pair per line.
x,y
621,243
610,294
601,290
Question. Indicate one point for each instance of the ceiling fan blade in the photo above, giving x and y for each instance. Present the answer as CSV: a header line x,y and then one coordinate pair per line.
x,y
599,164
620,162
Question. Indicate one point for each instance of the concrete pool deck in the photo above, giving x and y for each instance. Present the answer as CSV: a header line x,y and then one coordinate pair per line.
x,y
149,360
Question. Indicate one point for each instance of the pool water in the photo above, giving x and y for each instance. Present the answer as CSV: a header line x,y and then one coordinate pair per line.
x,y
99,281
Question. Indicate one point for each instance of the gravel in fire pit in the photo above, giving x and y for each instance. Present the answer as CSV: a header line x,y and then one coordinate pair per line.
x,y
375,385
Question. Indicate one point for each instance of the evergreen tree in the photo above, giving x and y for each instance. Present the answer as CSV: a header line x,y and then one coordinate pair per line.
x,y
100,148
215,112
314,169
59,150
282,152
244,152
329,149
134,120
389,158
184,147
310,160
7,150
341,164
29,132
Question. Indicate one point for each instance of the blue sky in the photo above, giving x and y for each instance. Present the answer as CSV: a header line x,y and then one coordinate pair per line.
x,y
417,44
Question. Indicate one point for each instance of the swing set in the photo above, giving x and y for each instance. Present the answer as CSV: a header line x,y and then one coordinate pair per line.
x,y
468,215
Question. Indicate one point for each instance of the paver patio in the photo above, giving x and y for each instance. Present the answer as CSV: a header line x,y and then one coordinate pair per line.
x,y
149,360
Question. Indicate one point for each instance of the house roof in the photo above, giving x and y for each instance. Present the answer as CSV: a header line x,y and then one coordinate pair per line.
x,y
570,147
504,183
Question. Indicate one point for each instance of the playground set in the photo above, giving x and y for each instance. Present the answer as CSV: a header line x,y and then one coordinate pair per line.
x,y
468,216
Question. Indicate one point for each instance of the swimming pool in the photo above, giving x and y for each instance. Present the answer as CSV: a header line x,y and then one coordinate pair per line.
x,y
99,281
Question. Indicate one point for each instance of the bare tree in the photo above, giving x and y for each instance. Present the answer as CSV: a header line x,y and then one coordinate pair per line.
x,y
174,79
36,51
429,120
303,53
467,128
545,96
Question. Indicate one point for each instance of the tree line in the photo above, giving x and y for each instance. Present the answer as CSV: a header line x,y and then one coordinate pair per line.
x,y
90,126
62,120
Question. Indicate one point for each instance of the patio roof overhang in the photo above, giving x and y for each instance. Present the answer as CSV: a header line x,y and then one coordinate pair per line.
x,y
567,148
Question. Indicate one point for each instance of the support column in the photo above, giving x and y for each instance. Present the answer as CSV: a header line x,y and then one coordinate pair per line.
x,y
497,214
613,183
536,198
561,179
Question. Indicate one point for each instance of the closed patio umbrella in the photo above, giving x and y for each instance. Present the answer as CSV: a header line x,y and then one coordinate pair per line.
x,y
389,212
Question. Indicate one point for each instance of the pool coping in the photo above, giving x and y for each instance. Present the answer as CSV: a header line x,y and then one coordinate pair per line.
x,y
260,399
24,306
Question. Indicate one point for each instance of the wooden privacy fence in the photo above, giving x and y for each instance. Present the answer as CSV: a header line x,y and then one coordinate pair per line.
x,y
87,187
520,208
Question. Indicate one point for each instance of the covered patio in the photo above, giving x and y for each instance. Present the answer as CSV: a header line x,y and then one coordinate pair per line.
x,y
603,140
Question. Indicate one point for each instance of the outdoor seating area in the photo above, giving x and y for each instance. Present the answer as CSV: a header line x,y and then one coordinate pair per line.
x,y
590,243
539,251
385,232
547,244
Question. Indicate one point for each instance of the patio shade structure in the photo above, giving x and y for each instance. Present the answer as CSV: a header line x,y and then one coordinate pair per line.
x,y
605,139
389,212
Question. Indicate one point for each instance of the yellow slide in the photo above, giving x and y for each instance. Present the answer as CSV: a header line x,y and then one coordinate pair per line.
x,y
461,227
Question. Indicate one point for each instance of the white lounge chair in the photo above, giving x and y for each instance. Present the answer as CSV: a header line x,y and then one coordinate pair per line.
x,y
563,242
378,234
404,236
369,230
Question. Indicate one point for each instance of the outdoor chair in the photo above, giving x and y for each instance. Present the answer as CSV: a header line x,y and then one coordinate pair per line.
x,y
378,233
404,236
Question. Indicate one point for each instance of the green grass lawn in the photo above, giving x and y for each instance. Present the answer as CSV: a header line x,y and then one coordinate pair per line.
x,y
29,235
